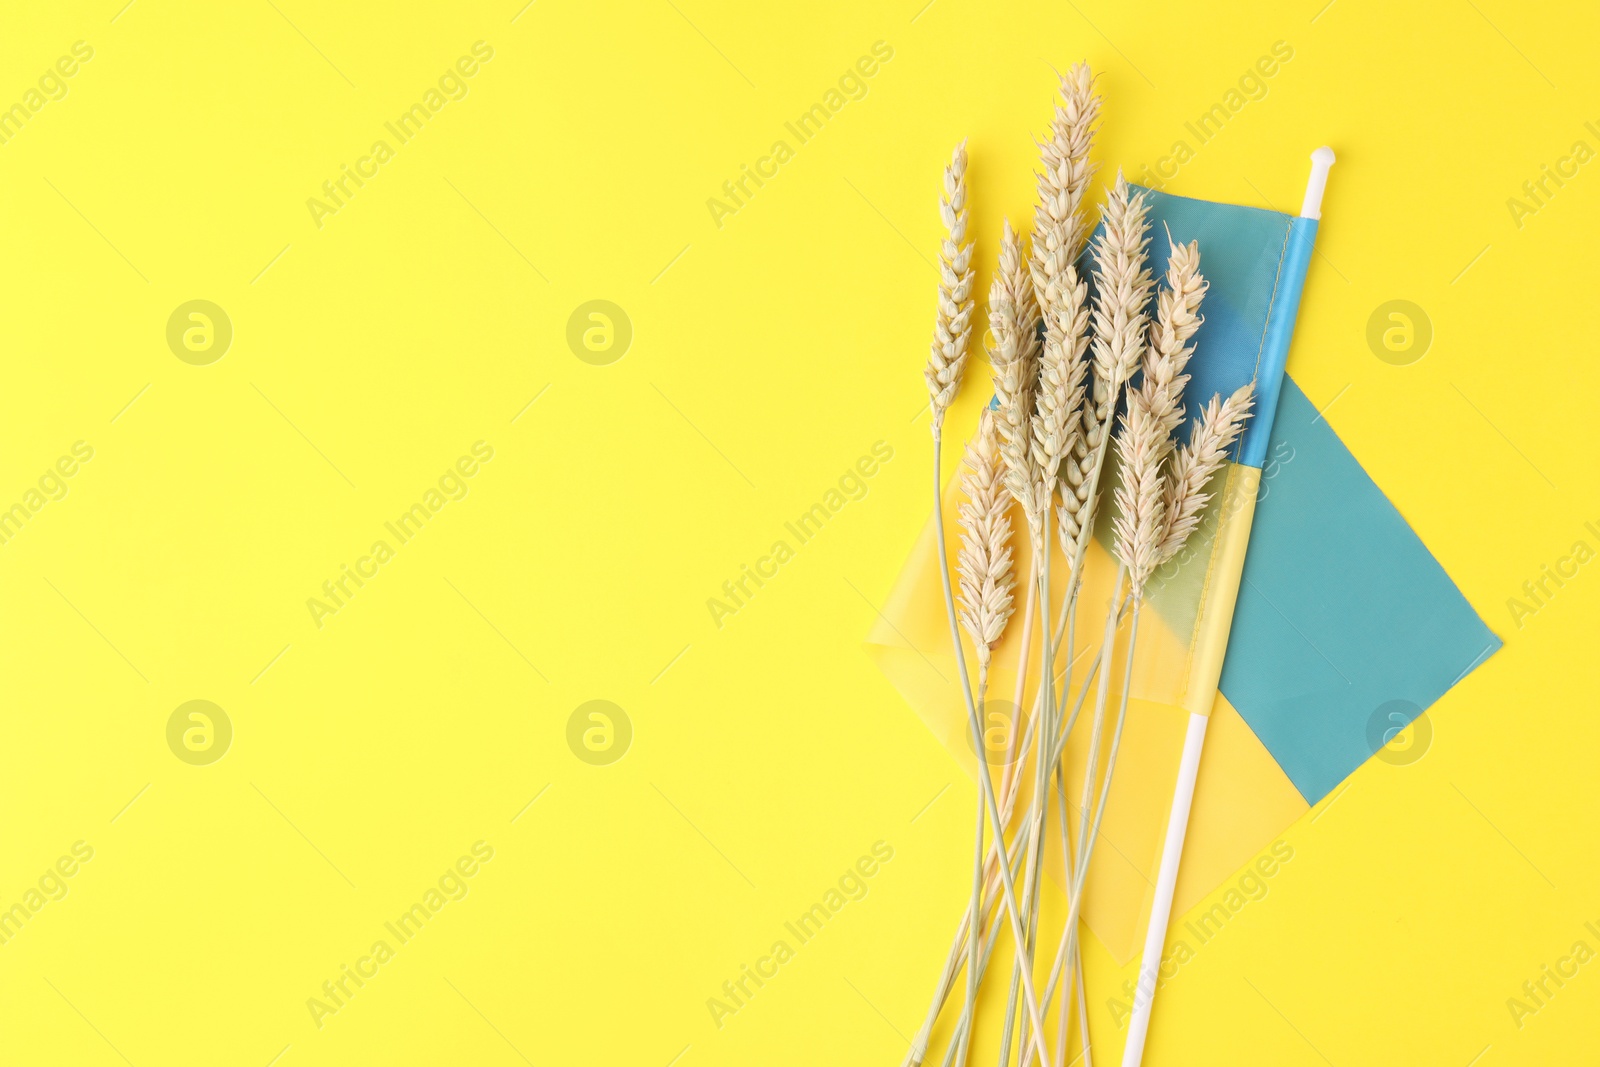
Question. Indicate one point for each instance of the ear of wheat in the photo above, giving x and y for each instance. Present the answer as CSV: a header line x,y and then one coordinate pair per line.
x,y
1155,410
1139,496
1013,353
1064,177
1177,319
1219,427
1061,385
1122,293
985,563
952,330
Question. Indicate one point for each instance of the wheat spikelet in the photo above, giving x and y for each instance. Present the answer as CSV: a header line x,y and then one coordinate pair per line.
x,y
1066,171
952,330
1141,445
1062,380
1122,282
1122,293
1062,296
1013,353
985,561
1220,425
1177,319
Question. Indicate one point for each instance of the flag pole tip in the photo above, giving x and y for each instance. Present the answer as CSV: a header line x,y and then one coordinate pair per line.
x,y
1321,160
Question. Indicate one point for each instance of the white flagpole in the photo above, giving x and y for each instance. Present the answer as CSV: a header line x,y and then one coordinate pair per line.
x,y
1188,769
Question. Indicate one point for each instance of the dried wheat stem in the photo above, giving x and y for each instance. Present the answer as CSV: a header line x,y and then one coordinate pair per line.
x,y
1086,839
1014,318
985,779
1014,853
986,580
1120,321
943,376
971,1002
952,330
1062,298
1090,830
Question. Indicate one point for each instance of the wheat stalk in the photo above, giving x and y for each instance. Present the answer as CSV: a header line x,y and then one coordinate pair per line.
x,y
1158,502
952,331
943,377
1014,355
1014,853
986,581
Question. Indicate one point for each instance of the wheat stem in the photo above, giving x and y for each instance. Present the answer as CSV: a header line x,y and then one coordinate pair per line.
x,y
985,780
977,885
1014,853
1090,830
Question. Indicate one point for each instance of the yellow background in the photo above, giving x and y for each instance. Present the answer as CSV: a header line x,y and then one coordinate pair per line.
x,y
768,355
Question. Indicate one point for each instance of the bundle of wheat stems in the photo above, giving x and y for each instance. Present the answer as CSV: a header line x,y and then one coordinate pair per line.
x,y
1070,377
